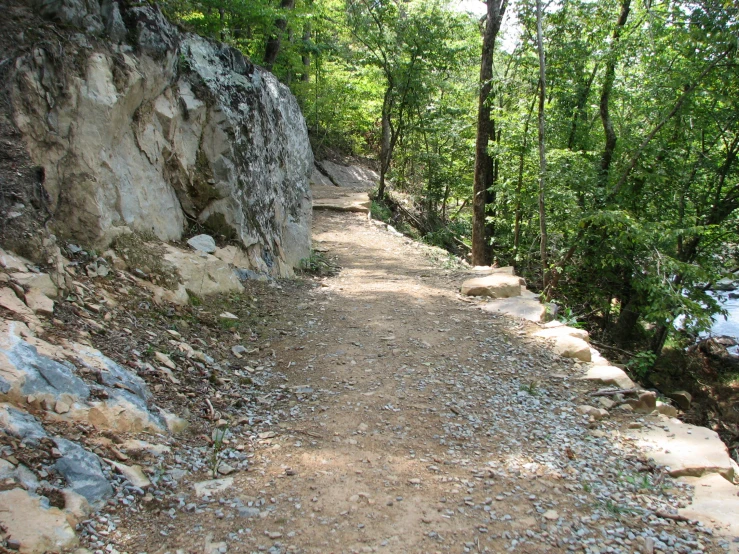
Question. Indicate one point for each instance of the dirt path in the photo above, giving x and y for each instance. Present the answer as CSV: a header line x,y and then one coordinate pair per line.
x,y
417,423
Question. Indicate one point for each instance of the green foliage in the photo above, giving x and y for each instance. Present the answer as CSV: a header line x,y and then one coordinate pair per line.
x,y
218,437
318,264
380,211
641,364
531,388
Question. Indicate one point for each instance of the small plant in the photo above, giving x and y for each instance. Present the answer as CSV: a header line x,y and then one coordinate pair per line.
x,y
642,363
587,488
229,324
532,388
569,318
218,436
318,264
193,299
380,211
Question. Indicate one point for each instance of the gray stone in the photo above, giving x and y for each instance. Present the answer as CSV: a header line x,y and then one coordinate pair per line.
x,y
203,243
20,424
83,14
246,511
350,176
83,472
31,373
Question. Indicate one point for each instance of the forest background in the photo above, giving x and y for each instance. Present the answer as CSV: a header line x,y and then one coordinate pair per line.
x,y
593,145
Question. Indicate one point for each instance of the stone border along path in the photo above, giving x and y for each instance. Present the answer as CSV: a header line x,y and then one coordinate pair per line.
x,y
695,455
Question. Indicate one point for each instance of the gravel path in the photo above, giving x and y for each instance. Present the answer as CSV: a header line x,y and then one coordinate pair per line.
x,y
417,423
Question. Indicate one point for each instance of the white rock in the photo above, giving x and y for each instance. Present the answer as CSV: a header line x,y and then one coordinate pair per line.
x,y
133,473
212,486
609,375
715,503
39,302
203,243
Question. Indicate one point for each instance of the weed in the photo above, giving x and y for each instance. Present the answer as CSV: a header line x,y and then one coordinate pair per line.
x,y
318,264
380,211
532,388
193,299
229,324
587,488
569,318
614,509
219,435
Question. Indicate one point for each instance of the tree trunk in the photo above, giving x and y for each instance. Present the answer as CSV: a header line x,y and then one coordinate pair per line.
x,y
519,183
305,57
386,141
273,42
542,146
627,320
605,97
481,253
579,112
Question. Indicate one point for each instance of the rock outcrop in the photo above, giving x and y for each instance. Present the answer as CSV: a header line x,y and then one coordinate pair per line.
x,y
139,127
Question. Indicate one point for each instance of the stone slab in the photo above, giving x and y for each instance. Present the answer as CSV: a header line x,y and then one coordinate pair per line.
x,y
497,285
609,375
340,200
36,527
351,176
715,504
687,450
518,307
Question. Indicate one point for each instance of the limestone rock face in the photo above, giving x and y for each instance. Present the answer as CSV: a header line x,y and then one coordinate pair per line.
x,y
140,136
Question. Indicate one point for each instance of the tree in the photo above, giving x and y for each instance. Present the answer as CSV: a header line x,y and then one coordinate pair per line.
x,y
542,144
404,40
481,251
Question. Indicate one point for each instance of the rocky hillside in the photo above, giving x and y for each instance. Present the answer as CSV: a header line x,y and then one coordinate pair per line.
x,y
132,125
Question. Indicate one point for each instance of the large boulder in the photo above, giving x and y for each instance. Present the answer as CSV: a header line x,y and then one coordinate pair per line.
x,y
349,176
176,128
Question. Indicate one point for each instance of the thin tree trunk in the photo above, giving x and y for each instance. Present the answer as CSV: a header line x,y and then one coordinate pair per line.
x,y
273,42
519,182
605,97
305,57
481,253
582,99
386,140
542,146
